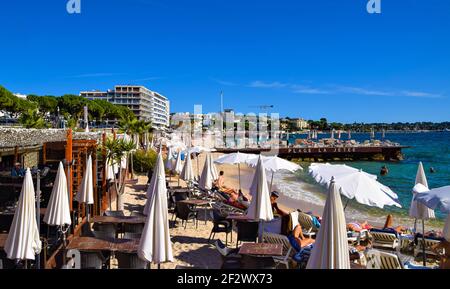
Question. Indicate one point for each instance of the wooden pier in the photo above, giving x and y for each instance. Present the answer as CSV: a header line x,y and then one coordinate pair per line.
x,y
328,153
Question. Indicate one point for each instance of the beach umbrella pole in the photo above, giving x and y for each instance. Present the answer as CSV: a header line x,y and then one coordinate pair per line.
x,y
239,170
348,202
423,244
271,182
198,167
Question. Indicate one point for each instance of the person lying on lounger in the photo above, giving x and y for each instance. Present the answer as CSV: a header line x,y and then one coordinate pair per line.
x,y
358,227
388,226
297,237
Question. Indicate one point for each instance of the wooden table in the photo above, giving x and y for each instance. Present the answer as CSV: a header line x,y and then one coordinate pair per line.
x,y
243,218
261,249
90,244
119,220
198,203
11,213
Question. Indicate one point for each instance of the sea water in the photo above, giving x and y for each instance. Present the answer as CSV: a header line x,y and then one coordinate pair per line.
x,y
430,148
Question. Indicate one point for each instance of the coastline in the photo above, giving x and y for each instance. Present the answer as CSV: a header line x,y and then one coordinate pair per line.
x,y
354,212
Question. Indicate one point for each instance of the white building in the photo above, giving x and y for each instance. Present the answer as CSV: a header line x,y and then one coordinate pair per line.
x,y
146,104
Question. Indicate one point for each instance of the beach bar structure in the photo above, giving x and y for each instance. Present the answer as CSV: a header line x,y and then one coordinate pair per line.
x,y
43,150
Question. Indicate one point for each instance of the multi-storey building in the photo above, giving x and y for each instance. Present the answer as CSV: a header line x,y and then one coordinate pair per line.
x,y
146,104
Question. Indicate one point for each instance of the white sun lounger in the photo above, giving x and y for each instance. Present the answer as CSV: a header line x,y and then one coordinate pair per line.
x,y
288,251
377,259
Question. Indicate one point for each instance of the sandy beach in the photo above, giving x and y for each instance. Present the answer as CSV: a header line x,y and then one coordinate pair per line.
x,y
190,246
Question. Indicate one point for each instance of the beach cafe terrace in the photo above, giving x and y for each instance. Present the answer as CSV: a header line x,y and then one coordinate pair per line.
x,y
42,151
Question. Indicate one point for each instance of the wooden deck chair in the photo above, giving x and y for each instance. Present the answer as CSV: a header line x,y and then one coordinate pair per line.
x,y
429,244
377,259
384,240
307,224
288,251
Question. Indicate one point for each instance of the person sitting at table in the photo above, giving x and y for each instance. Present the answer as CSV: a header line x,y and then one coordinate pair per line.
x,y
388,226
17,171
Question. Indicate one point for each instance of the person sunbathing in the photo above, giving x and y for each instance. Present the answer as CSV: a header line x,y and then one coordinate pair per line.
x,y
302,241
220,182
358,227
388,226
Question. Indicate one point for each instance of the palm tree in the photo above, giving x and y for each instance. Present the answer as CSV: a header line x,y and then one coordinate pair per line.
x,y
116,150
136,128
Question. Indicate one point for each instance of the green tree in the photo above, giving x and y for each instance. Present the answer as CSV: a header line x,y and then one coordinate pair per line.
x,y
32,119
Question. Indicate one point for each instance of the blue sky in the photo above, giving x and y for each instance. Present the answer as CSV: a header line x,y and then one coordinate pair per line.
x,y
309,58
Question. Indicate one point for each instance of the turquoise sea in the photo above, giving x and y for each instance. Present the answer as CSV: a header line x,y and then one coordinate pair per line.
x,y
430,148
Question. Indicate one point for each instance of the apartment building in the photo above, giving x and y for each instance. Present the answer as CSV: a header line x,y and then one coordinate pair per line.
x,y
146,104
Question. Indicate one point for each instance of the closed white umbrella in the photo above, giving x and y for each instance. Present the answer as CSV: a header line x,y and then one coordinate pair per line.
x,y
86,192
155,245
330,251
178,167
110,169
356,184
58,209
260,207
417,210
207,178
332,134
187,174
235,159
446,231
212,165
23,241
169,160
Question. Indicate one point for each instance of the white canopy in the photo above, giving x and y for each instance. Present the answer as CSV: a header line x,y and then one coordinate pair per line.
x,y
323,173
356,184
187,174
199,149
274,164
207,177
58,209
435,199
330,251
235,158
86,193
417,210
155,245
260,206
23,241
